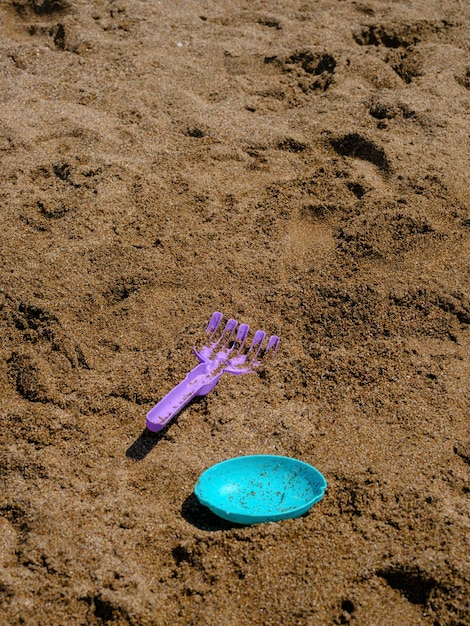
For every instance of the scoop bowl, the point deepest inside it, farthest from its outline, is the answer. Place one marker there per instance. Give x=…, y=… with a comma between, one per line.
x=260, y=488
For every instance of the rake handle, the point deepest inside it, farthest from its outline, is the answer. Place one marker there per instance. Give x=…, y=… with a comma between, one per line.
x=198, y=382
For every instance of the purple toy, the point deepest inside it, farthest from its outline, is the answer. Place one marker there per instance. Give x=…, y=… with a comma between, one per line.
x=226, y=353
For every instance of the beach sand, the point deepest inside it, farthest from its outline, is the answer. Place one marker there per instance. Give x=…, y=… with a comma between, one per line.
x=304, y=168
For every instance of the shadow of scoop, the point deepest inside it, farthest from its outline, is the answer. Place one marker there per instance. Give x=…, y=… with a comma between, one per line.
x=144, y=444
x=201, y=517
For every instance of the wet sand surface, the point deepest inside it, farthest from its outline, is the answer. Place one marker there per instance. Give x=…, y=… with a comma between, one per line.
x=304, y=168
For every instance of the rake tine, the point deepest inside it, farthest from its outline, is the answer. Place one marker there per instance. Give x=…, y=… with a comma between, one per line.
x=272, y=346
x=226, y=334
x=214, y=323
x=256, y=344
x=240, y=339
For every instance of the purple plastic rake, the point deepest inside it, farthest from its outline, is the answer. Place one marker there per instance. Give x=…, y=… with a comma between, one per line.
x=226, y=352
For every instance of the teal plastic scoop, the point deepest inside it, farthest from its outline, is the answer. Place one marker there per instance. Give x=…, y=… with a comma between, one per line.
x=260, y=488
